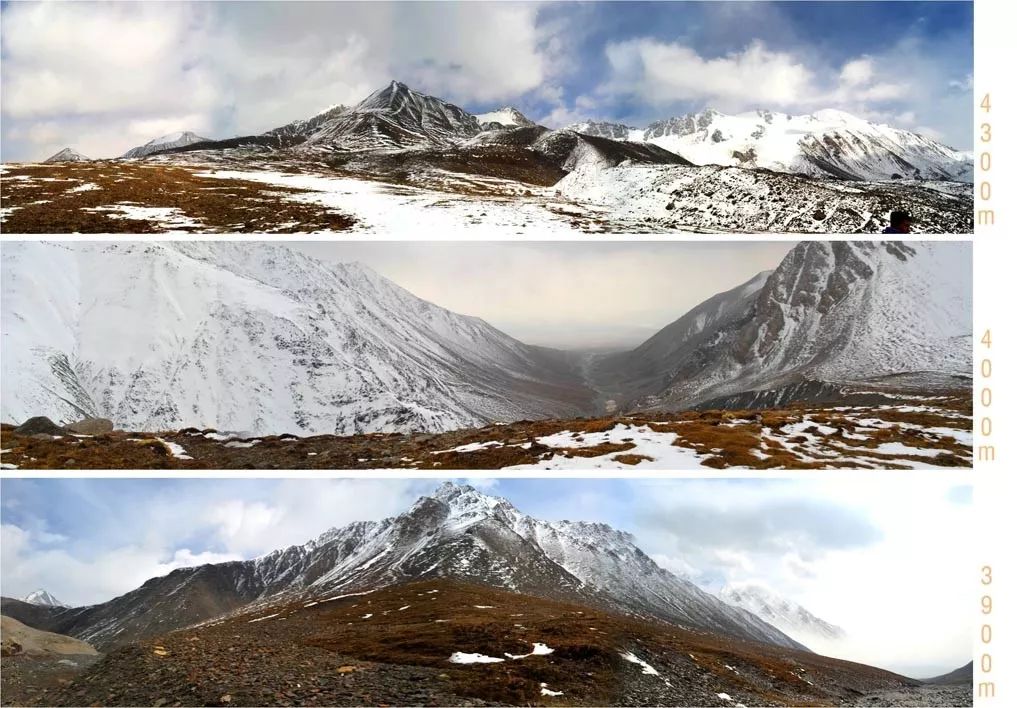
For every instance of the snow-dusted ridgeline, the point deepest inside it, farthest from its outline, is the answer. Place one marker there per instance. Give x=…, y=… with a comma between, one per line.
x=260, y=339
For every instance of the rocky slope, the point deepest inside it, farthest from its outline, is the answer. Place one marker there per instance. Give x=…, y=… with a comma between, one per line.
x=445, y=642
x=455, y=533
x=137, y=332
x=831, y=311
x=394, y=117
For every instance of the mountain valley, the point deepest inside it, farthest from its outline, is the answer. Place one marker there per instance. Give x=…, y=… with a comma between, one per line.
x=845, y=353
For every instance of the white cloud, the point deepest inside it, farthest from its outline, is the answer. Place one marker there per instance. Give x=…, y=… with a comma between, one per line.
x=661, y=73
x=76, y=580
x=217, y=525
x=857, y=72
x=113, y=75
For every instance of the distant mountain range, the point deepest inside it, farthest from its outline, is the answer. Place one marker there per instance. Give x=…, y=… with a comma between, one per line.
x=757, y=172
x=455, y=533
x=828, y=143
x=262, y=339
x=166, y=142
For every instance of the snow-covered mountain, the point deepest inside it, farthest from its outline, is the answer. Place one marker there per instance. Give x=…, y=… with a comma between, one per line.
x=43, y=598
x=166, y=142
x=507, y=117
x=67, y=155
x=260, y=339
x=790, y=617
x=456, y=532
x=831, y=311
x=828, y=143
x=606, y=129
x=394, y=117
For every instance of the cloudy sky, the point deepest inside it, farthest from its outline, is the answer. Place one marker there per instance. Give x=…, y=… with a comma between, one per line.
x=886, y=559
x=571, y=295
x=104, y=77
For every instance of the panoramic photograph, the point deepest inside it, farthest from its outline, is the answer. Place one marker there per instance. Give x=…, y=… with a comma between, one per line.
x=710, y=592
x=555, y=118
x=486, y=355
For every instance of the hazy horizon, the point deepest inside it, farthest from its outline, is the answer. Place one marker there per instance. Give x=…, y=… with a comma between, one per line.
x=566, y=295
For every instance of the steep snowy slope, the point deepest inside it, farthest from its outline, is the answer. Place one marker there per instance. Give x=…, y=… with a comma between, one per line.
x=259, y=339
x=166, y=142
x=791, y=618
x=828, y=143
x=832, y=311
x=456, y=532
x=67, y=155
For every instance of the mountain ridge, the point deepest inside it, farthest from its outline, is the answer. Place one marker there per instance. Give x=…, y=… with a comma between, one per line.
x=826, y=143
x=456, y=532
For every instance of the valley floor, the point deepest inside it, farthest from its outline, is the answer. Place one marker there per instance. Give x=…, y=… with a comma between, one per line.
x=439, y=642
x=309, y=196
x=916, y=432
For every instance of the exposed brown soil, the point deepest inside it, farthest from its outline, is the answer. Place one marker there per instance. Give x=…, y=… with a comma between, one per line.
x=394, y=646
x=829, y=438
x=42, y=200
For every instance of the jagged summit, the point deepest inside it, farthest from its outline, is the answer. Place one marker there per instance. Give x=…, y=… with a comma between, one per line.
x=67, y=155
x=393, y=117
x=456, y=533
x=43, y=598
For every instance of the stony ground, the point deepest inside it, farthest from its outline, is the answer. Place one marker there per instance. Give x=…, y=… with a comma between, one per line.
x=396, y=646
x=918, y=432
x=35, y=680
x=930, y=696
x=141, y=198
x=481, y=188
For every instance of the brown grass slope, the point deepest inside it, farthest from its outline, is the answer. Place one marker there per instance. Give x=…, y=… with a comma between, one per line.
x=393, y=647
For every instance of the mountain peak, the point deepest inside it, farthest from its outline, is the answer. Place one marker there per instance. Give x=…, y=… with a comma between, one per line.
x=68, y=154
x=42, y=598
x=467, y=505
x=506, y=117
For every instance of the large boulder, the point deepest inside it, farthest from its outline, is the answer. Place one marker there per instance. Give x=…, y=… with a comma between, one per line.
x=39, y=424
x=91, y=426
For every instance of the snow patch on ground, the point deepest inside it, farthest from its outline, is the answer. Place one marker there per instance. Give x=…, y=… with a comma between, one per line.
x=465, y=658
x=647, y=669
x=659, y=447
